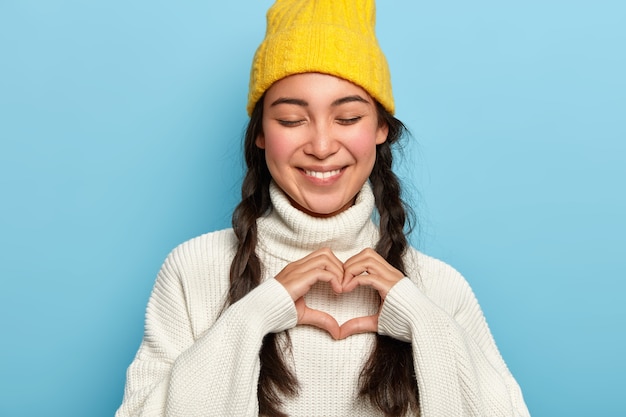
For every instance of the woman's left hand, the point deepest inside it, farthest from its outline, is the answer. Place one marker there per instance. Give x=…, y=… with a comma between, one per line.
x=367, y=268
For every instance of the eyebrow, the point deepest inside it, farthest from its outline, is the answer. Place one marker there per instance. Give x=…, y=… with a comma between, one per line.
x=303, y=103
x=349, y=99
x=286, y=100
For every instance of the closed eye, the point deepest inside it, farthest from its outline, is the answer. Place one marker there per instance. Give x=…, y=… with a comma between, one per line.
x=289, y=123
x=349, y=121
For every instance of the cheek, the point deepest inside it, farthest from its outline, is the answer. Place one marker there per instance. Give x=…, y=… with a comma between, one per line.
x=277, y=148
x=363, y=144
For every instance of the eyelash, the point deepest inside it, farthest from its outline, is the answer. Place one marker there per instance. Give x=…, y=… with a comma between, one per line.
x=290, y=123
x=349, y=121
x=343, y=122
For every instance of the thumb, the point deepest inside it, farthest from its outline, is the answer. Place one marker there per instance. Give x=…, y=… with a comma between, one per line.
x=320, y=320
x=365, y=324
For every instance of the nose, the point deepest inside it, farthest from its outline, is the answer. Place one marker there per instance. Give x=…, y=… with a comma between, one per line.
x=321, y=143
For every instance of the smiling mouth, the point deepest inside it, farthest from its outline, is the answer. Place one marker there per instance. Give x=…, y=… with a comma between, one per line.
x=322, y=174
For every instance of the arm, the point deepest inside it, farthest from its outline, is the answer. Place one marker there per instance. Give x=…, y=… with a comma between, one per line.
x=215, y=374
x=457, y=364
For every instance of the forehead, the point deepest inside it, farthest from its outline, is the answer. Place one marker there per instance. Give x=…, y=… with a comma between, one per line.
x=315, y=87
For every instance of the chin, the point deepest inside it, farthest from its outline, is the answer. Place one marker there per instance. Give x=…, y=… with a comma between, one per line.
x=325, y=210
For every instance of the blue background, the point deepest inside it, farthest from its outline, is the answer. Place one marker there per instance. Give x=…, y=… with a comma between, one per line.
x=120, y=127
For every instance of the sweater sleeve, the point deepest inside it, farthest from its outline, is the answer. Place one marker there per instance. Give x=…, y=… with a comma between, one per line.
x=458, y=367
x=215, y=374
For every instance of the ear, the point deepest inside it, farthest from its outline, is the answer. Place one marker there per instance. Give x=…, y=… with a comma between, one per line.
x=381, y=133
x=260, y=141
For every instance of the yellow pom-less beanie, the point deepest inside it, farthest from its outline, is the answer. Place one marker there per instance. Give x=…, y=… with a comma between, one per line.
x=335, y=37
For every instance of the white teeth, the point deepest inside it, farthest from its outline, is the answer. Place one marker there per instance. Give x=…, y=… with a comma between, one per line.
x=322, y=175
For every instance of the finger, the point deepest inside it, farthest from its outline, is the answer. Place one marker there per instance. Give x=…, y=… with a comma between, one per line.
x=298, y=284
x=331, y=257
x=324, y=262
x=321, y=320
x=324, y=256
x=367, y=254
x=298, y=277
x=366, y=324
x=383, y=286
x=323, y=259
x=368, y=262
x=381, y=280
x=371, y=262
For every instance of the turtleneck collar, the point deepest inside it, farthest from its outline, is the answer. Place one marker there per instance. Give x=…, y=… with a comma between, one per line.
x=292, y=234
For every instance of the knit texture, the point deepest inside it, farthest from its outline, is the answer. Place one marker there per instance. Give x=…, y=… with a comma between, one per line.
x=335, y=37
x=195, y=362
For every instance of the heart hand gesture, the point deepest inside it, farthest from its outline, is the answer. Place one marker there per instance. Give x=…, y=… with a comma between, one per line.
x=365, y=268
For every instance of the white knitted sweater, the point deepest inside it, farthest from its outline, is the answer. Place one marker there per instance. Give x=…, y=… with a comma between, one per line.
x=195, y=362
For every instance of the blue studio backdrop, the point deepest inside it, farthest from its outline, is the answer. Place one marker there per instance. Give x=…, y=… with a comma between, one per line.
x=120, y=130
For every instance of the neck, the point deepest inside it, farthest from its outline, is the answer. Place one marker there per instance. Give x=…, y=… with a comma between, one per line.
x=287, y=229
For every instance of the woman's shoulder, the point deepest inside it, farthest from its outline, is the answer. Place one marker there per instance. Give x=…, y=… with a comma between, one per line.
x=206, y=249
x=441, y=282
x=426, y=268
x=217, y=240
x=198, y=269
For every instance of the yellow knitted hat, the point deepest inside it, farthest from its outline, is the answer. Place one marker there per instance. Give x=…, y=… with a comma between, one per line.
x=335, y=37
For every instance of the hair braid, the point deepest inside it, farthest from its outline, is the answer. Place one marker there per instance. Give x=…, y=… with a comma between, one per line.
x=390, y=385
x=245, y=269
x=275, y=377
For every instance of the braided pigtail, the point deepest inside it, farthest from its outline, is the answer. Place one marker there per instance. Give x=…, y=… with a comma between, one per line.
x=390, y=384
x=275, y=378
x=245, y=269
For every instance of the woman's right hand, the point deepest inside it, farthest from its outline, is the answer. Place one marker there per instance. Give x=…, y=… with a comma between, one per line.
x=298, y=277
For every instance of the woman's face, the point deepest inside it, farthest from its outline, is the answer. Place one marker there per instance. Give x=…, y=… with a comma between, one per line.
x=319, y=135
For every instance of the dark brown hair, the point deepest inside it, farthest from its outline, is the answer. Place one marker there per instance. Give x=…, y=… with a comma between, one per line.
x=387, y=378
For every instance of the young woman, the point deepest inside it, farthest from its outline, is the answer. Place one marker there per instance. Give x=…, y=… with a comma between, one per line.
x=307, y=307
